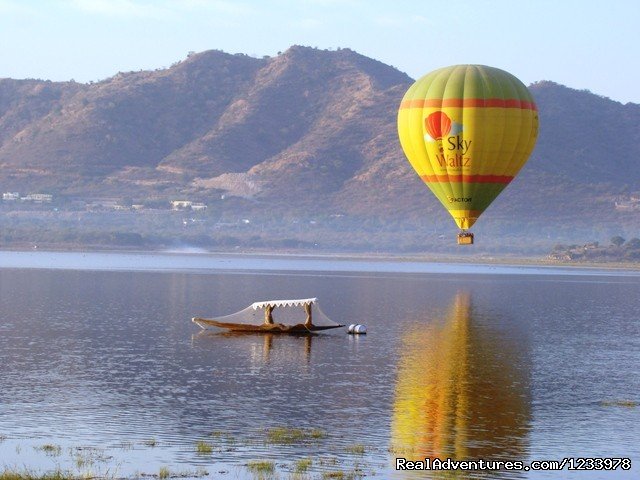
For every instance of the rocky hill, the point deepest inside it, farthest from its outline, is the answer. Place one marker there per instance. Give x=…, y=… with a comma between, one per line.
x=306, y=134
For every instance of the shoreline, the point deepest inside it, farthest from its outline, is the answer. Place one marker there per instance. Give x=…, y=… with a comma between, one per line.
x=383, y=258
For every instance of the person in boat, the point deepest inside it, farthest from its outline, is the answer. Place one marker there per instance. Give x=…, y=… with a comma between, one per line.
x=268, y=317
x=307, y=308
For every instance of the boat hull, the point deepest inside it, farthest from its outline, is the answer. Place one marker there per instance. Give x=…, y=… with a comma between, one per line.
x=207, y=323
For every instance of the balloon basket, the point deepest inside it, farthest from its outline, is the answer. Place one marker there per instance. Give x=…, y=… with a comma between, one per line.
x=465, y=238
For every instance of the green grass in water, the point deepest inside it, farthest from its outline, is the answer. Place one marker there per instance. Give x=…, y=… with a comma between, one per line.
x=164, y=473
x=261, y=466
x=302, y=465
x=50, y=449
x=340, y=475
x=27, y=475
x=204, y=448
x=356, y=449
x=288, y=436
x=83, y=461
x=619, y=403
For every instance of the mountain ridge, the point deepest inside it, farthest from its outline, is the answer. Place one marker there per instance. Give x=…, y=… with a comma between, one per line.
x=307, y=132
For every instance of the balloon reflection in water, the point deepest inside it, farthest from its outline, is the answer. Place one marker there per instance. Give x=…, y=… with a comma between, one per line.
x=462, y=391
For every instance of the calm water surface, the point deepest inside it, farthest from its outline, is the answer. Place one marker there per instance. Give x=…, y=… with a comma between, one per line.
x=102, y=370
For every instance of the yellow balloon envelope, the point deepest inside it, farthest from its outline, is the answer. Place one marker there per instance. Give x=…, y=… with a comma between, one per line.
x=467, y=130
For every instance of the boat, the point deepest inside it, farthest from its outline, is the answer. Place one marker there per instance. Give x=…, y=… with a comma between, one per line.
x=273, y=316
x=207, y=323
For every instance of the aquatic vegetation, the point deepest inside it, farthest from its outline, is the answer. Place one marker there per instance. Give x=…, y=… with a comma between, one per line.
x=204, y=448
x=340, y=475
x=356, y=449
x=302, y=465
x=221, y=436
x=327, y=461
x=402, y=450
x=83, y=461
x=150, y=442
x=337, y=474
x=316, y=433
x=261, y=466
x=288, y=436
x=298, y=476
x=29, y=475
x=165, y=473
x=619, y=403
x=50, y=449
x=85, y=457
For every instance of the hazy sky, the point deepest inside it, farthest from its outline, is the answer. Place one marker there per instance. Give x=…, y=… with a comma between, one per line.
x=584, y=44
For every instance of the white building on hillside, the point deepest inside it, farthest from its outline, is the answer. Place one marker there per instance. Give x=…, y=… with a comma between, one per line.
x=181, y=204
x=10, y=197
x=38, y=198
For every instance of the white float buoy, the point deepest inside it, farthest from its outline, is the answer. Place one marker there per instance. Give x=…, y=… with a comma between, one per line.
x=357, y=329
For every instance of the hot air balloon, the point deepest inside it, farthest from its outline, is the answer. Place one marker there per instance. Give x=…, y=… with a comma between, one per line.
x=467, y=130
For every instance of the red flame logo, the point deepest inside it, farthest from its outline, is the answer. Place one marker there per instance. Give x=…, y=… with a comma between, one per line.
x=438, y=125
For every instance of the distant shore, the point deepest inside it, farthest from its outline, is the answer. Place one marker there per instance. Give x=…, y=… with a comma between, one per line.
x=472, y=259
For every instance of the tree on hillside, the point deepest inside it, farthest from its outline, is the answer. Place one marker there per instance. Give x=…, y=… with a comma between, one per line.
x=617, y=240
x=633, y=243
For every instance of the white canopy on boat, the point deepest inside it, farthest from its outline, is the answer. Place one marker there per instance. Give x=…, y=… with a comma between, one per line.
x=284, y=303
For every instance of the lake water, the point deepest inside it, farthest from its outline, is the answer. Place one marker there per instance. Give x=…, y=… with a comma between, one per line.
x=102, y=371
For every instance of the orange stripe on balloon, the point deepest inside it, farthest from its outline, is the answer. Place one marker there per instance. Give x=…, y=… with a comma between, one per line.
x=466, y=178
x=468, y=103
